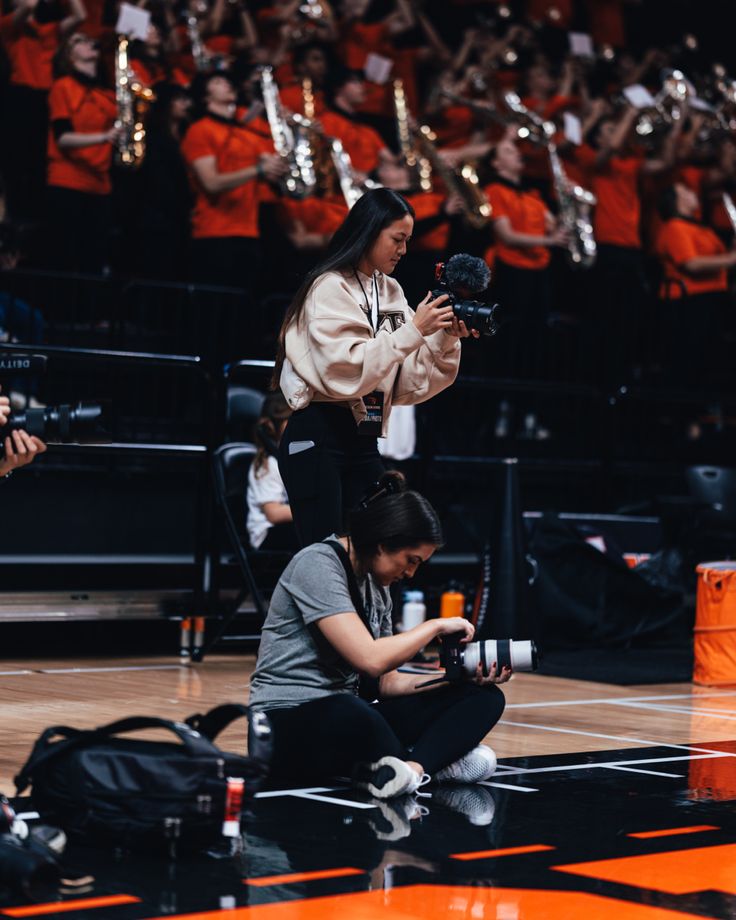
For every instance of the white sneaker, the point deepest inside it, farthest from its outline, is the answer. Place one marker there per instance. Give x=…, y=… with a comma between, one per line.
x=477, y=765
x=473, y=802
x=388, y=777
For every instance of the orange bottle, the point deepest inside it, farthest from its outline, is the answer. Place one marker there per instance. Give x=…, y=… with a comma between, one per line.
x=452, y=602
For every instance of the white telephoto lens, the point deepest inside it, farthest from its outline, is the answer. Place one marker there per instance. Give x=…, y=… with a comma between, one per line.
x=510, y=653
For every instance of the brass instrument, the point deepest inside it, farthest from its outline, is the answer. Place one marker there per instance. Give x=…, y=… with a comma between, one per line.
x=419, y=166
x=730, y=209
x=291, y=140
x=488, y=113
x=531, y=126
x=132, y=100
x=462, y=182
x=343, y=168
x=574, y=201
x=667, y=106
x=203, y=57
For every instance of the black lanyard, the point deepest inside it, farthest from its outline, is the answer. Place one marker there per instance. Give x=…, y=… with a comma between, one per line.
x=373, y=309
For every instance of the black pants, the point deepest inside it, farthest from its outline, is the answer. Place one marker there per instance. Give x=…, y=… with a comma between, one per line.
x=25, y=118
x=79, y=227
x=524, y=296
x=329, y=736
x=326, y=480
x=226, y=261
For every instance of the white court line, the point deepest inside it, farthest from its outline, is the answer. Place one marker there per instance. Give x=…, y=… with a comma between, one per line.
x=278, y=792
x=133, y=667
x=617, y=700
x=28, y=816
x=615, y=763
x=331, y=801
x=681, y=710
x=648, y=772
x=645, y=742
x=14, y=673
x=507, y=786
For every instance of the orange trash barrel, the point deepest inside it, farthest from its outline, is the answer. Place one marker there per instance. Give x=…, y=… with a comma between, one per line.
x=715, y=624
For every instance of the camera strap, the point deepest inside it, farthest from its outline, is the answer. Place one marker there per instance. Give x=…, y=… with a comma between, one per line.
x=368, y=686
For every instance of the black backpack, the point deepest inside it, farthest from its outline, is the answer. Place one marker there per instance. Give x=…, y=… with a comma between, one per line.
x=131, y=791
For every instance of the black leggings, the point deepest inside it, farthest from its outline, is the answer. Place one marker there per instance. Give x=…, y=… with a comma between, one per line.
x=329, y=736
x=331, y=472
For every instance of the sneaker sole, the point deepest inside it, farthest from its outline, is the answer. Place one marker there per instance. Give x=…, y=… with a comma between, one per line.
x=382, y=779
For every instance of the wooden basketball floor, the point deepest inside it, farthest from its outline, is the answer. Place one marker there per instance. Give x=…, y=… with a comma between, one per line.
x=608, y=802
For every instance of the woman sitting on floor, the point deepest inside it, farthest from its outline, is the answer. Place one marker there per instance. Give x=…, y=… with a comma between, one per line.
x=329, y=629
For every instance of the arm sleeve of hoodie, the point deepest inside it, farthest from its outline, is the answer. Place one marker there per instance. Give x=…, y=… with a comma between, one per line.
x=346, y=361
x=429, y=370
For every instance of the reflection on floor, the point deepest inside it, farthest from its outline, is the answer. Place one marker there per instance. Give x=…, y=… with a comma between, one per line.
x=635, y=833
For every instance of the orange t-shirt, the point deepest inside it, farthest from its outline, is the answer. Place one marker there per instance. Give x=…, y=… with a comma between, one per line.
x=361, y=142
x=356, y=43
x=319, y=215
x=429, y=204
x=616, y=186
x=88, y=108
x=231, y=213
x=453, y=126
x=30, y=47
x=526, y=213
x=679, y=241
x=606, y=22
x=292, y=98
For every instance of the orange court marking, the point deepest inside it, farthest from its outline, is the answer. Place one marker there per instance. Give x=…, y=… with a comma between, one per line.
x=265, y=880
x=671, y=831
x=509, y=851
x=681, y=872
x=438, y=902
x=65, y=907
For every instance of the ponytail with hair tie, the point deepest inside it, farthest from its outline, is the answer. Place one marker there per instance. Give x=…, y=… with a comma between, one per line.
x=391, y=483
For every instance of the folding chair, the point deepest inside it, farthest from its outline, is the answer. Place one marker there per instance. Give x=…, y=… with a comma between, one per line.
x=230, y=466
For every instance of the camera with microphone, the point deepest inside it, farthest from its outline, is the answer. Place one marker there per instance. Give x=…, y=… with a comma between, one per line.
x=460, y=278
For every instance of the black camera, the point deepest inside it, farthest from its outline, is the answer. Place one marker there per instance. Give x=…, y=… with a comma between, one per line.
x=461, y=660
x=461, y=277
x=81, y=423
x=28, y=856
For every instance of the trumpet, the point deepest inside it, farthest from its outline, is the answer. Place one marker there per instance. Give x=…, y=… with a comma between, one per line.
x=531, y=126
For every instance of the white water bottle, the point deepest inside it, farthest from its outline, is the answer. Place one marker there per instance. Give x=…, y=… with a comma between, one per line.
x=414, y=610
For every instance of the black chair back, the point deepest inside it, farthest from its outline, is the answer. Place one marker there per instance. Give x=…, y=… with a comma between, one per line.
x=243, y=410
x=715, y=486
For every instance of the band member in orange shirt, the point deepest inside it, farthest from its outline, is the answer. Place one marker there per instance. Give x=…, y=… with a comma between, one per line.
x=82, y=132
x=226, y=162
x=364, y=145
x=693, y=294
x=524, y=230
x=31, y=38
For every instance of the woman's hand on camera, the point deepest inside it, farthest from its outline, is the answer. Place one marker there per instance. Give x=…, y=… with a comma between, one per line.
x=433, y=315
x=460, y=330
x=494, y=677
x=20, y=450
x=4, y=409
x=447, y=626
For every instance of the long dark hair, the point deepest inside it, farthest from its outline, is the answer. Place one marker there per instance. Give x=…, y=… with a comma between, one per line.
x=394, y=518
x=266, y=433
x=371, y=214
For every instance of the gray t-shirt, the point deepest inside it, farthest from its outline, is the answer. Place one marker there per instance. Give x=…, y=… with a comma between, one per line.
x=295, y=661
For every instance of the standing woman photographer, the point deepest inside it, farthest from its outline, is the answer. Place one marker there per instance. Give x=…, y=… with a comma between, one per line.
x=329, y=627
x=350, y=347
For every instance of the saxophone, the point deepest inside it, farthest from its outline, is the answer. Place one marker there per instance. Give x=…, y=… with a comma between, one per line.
x=419, y=166
x=462, y=181
x=575, y=204
x=132, y=100
x=574, y=201
x=203, y=57
x=343, y=167
x=291, y=141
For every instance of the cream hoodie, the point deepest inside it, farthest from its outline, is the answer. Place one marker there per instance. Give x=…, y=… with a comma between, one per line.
x=332, y=354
